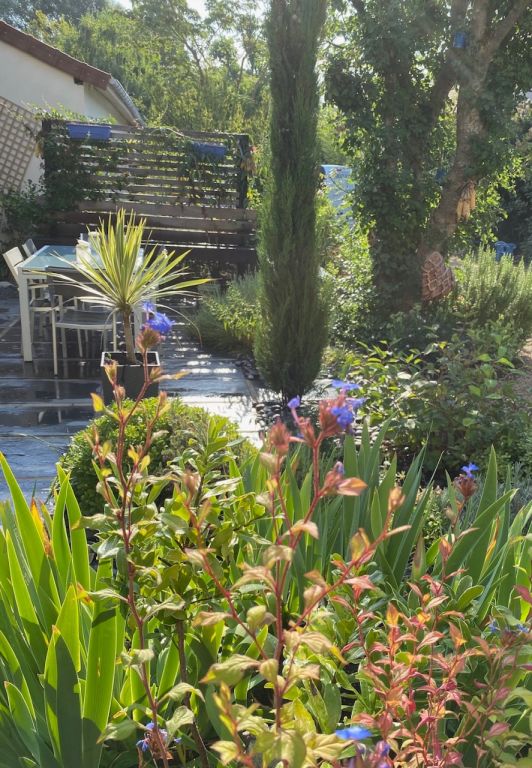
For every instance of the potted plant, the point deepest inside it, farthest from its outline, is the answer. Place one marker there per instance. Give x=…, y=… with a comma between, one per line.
x=116, y=274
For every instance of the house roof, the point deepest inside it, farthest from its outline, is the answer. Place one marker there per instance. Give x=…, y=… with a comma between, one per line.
x=71, y=66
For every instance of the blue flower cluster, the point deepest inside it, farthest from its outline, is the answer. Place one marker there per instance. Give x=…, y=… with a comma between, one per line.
x=157, y=321
x=145, y=743
x=469, y=470
x=517, y=628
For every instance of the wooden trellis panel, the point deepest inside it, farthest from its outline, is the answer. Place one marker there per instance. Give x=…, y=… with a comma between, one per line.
x=17, y=144
x=191, y=201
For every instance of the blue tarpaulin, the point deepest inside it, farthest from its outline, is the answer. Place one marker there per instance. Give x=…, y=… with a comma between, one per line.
x=338, y=180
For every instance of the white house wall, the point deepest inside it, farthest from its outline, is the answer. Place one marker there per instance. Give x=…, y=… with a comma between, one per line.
x=32, y=83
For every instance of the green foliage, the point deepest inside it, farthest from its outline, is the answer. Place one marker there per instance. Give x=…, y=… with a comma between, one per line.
x=190, y=71
x=248, y=584
x=22, y=14
x=349, y=278
x=456, y=397
x=182, y=427
x=293, y=315
x=414, y=105
x=490, y=291
x=227, y=320
x=70, y=175
x=518, y=202
x=57, y=646
x=23, y=213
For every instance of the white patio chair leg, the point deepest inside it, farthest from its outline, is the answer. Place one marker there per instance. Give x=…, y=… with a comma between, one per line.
x=54, y=343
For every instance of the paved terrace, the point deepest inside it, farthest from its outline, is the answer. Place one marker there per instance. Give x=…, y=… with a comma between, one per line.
x=40, y=413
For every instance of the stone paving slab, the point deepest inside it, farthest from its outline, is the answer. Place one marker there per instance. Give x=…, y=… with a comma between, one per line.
x=39, y=413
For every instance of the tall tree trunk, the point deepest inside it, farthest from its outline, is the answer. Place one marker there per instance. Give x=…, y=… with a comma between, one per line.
x=472, y=72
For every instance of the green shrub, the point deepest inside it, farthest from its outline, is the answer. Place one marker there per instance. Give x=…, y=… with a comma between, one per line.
x=227, y=319
x=455, y=397
x=185, y=427
x=489, y=290
x=349, y=278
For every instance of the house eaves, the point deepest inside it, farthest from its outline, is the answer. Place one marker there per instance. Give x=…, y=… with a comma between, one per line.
x=79, y=70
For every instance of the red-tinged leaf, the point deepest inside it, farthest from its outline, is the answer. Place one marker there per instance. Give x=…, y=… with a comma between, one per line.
x=524, y=593
x=431, y=638
x=340, y=601
x=392, y=615
x=361, y=582
x=308, y=527
x=351, y=486
x=174, y=376
x=456, y=635
x=497, y=729
x=395, y=531
x=415, y=589
x=437, y=601
x=316, y=578
x=502, y=694
x=471, y=708
x=484, y=646
x=445, y=548
x=466, y=533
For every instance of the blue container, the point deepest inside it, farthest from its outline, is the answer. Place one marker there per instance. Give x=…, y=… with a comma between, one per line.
x=80, y=131
x=440, y=175
x=460, y=40
x=206, y=150
x=504, y=249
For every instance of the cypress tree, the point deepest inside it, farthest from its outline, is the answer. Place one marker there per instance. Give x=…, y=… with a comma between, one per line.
x=293, y=328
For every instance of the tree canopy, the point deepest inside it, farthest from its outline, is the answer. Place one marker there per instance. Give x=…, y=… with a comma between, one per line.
x=182, y=69
x=20, y=13
x=428, y=90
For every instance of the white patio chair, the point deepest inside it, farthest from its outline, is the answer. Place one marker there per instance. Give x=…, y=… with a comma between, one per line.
x=29, y=248
x=39, y=299
x=71, y=313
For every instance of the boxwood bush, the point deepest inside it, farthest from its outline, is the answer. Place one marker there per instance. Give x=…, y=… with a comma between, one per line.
x=184, y=426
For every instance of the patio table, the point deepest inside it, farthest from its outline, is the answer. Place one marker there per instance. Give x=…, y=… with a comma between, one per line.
x=48, y=257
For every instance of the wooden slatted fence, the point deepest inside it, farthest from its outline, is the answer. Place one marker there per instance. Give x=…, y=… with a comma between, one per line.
x=190, y=187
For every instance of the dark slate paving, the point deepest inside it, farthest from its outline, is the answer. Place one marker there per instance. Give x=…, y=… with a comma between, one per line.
x=39, y=414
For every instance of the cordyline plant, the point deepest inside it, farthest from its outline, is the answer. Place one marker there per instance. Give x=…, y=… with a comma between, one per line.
x=122, y=278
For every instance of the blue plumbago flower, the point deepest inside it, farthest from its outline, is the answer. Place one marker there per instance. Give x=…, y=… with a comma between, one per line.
x=344, y=416
x=493, y=626
x=356, y=402
x=160, y=323
x=144, y=743
x=295, y=402
x=353, y=733
x=345, y=385
x=148, y=307
x=469, y=469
